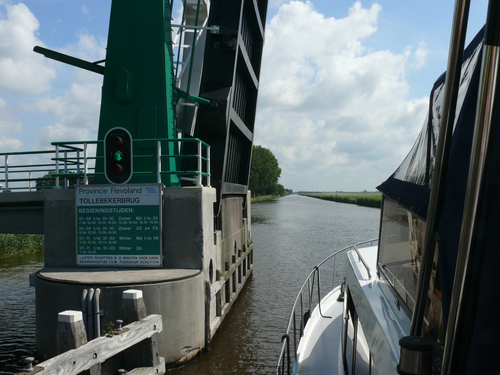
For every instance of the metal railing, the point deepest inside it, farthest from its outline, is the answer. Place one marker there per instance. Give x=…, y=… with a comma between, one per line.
x=387, y=272
x=72, y=163
x=360, y=257
x=23, y=175
x=300, y=313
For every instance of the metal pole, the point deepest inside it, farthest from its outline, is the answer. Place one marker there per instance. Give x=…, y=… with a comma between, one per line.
x=78, y=161
x=334, y=269
x=97, y=313
x=158, y=158
x=57, y=167
x=199, y=165
x=85, y=177
x=213, y=29
x=66, y=182
x=29, y=178
x=295, y=332
x=475, y=185
x=6, y=174
x=452, y=84
x=209, y=182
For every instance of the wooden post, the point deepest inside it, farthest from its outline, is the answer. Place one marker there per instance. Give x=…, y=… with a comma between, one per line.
x=70, y=331
x=133, y=307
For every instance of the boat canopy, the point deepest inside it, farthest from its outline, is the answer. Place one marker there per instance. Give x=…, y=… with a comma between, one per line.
x=410, y=184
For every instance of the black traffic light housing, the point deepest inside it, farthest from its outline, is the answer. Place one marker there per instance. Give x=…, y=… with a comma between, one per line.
x=118, y=156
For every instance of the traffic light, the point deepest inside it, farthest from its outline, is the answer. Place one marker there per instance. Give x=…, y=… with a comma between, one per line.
x=118, y=156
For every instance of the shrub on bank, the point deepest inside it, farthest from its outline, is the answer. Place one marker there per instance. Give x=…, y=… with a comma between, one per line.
x=20, y=244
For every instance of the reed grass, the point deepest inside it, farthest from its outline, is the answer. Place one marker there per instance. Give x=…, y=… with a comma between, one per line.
x=263, y=198
x=12, y=245
x=361, y=199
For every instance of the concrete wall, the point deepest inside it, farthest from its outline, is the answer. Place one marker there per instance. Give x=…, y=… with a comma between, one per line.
x=60, y=228
x=180, y=302
x=192, y=308
x=21, y=212
x=232, y=229
x=188, y=226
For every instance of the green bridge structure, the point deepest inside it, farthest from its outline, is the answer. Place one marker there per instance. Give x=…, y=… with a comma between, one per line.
x=159, y=201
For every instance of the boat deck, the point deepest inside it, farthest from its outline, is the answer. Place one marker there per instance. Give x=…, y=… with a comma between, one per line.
x=318, y=347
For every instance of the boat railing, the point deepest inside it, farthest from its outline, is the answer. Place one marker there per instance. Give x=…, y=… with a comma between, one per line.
x=360, y=257
x=72, y=163
x=388, y=274
x=308, y=297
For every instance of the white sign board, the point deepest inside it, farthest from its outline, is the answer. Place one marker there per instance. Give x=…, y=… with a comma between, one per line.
x=119, y=225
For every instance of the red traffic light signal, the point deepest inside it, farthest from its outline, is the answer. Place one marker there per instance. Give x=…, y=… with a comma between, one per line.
x=118, y=156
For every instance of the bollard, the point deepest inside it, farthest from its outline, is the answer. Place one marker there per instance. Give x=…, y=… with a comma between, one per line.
x=29, y=364
x=133, y=307
x=97, y=313
x=90, y=314
x=70, y=331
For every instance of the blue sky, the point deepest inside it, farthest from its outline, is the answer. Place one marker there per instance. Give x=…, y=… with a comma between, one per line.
x=344, y=84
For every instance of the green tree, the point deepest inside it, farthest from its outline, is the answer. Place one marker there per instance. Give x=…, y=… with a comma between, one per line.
x=264, y=173
x=48, y=181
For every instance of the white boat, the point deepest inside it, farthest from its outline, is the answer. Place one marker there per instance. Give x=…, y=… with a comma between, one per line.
x=424, y=298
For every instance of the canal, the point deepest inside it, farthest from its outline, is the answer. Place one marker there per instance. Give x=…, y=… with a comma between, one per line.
x=290, y=236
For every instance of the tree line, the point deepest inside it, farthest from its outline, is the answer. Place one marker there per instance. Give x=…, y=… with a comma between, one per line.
x=265, y=173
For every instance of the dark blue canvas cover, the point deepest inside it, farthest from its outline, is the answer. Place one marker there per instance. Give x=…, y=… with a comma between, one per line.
x=409, y=185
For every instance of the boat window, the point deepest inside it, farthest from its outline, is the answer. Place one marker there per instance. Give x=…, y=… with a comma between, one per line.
x=433, y=317
x=350, y=343
x=363, y=355
x=356, y=355
x=401, y=242
x=400, y=248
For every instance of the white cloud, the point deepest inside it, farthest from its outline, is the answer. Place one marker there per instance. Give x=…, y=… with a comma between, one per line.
x=85, y=10
x=10, y=126
x=334, y=112
x=88, y=47
x=420, y=55
x=21, y=70
x=77, y=112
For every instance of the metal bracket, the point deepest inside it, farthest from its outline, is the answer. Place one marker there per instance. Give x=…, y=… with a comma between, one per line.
x=213, y=29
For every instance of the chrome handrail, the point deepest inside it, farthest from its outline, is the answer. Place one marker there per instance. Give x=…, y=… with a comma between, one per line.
x=285, y=358
x=360, y=257
x=385, y=269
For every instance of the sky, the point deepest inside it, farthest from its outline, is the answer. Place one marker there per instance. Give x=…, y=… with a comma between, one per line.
x=343, y=89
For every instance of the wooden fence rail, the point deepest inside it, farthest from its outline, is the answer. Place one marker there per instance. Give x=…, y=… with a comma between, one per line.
x=91, y=355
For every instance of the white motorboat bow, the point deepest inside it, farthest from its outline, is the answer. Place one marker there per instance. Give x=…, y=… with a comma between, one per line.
x=424, y=298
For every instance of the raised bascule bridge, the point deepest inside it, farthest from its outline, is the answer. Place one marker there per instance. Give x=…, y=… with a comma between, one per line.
x=159, y=202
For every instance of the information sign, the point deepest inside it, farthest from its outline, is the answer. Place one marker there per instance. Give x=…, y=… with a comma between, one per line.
x=119, y=225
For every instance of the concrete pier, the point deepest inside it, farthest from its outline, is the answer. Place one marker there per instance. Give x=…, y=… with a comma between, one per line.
x=203, y=270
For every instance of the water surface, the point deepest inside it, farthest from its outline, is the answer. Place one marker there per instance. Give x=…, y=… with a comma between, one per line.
x=290, y=235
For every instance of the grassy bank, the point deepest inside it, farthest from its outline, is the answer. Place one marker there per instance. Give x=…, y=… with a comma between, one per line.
x=264, y=198
x=12, y=245
x=361, y=199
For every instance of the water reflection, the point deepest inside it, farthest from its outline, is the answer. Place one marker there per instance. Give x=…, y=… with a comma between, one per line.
x=290, y=236
x=17, y=311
